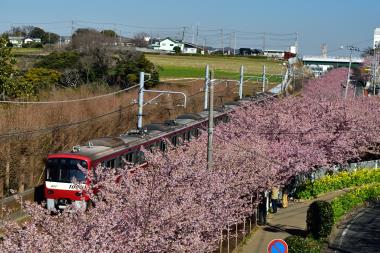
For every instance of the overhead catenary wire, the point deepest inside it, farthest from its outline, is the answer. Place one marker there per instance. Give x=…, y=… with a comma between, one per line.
x=67, y=125
x=177, y=32
x=67, y=101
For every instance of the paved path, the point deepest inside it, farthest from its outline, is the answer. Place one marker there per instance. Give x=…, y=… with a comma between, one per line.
x=361, y=234
x=287, y=221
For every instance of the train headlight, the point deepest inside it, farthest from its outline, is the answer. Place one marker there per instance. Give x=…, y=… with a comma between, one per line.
x=78, y=194
x=50, y=192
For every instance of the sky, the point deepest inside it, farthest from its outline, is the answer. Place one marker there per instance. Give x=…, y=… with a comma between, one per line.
x=272, y=24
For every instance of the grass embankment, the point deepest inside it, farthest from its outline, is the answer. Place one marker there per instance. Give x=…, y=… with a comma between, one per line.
x=176, y=66
x=338, y=181
x=354, y=198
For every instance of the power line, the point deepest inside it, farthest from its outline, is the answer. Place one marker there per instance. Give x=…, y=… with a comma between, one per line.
x=67, y=101
x=53, y=128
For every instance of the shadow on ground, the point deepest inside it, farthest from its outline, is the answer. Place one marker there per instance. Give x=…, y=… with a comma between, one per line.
x=286, y=229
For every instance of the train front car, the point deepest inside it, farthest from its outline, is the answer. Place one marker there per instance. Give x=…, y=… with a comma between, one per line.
x=62, y=170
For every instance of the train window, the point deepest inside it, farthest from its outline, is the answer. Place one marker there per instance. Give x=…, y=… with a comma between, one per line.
x=152, y=147
x=174, y=140
x=117, y=162
x=140, y=157
x=135, y=157
x=180, y=139
x=110, y=163
x=65, y=170
x=163, y=146
x=187, y=136
x=129, y=157
x=195, y=132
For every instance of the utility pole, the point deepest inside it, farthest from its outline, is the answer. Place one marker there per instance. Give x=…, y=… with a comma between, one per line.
x=72, y=30
x=376, y=55
x=241, y=82
x=141, y=99
x=193, y=37
x=207, y=81
x=141, y=102
x=183, y=33
x=352, y=49
x=196, y=37
x=264, y=41
x=204, y=45
x=229, y=50
x=115, y=35
x=264, y=77
x=221, y=32
x=348, y=76
x=210, y=126
x=235, y=43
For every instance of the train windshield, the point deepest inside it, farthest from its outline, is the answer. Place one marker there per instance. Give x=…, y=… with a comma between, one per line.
x=65, y=170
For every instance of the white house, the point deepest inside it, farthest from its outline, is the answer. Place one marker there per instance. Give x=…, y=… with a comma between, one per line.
x=168, y=45
x=29, y=40
x=16, y=41
x=376, y=38
x=274, y=53
x=190, y=48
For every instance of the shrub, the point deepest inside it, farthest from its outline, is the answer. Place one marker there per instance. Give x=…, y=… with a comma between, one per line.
x=132, y=78
x=60, y=60
x=320, y=219
x=177, y=50
x=32, y=44
x=32, y=82
x=298, y=244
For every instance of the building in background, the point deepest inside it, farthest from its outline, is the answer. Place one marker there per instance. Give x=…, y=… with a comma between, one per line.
x=278, y=54
x=376, y=38
x=167, y=45
x=16, y=41
x=30, y=40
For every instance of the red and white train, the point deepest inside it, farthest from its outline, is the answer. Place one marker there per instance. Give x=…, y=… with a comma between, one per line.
x=62, y=168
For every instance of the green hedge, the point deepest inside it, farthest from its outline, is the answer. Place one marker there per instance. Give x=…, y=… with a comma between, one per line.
x=343, y=204
x=319, y=219
x=298, y=244
x=337, y=181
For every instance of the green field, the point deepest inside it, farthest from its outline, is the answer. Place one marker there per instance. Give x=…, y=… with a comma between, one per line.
x=177, y=66
x=26, y=51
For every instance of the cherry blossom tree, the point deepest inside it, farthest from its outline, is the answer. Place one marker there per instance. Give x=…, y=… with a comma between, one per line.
x=175, y=204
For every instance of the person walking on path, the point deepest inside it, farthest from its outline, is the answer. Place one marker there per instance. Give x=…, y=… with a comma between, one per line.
x=262, y=210
x=285, y=197
x=274, y=197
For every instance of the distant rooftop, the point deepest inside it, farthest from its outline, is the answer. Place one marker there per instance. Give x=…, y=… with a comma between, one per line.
x=332, y=59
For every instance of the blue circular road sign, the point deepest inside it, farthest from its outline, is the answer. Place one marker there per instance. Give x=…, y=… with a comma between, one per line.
x=277, y=246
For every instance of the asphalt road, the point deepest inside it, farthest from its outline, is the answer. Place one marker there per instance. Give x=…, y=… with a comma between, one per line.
x=361, y=234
